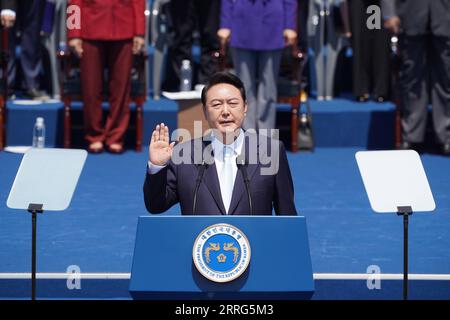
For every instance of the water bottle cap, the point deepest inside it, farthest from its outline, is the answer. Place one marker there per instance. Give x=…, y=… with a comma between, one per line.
x=186, y=63
x=40, y=120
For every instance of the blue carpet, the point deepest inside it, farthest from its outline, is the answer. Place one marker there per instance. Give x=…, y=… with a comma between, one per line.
x=347, y=236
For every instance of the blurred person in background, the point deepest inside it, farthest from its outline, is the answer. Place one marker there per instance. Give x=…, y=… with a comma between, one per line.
x=111, y=32
x=371, y=54
x=28, y=27
x=423, y=27
x=257, y=31
x=187, y=16
x=328, y=25
x=8, y=18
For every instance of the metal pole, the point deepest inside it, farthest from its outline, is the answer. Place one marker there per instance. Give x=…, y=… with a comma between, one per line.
x=405, y=256
x=33, y=256
x=405, y=211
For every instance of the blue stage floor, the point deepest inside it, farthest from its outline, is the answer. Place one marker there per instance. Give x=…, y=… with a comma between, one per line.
x=97, y=232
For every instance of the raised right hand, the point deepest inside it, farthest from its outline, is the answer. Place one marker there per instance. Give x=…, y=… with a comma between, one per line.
x=160, y=149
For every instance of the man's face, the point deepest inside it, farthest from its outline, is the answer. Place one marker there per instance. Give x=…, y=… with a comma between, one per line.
x=225, y=109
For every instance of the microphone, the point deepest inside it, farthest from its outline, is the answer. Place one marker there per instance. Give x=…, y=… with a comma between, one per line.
x=201, y=171
x=240, y=163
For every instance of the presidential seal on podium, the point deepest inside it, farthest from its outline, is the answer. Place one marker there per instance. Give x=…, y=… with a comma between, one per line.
x=221, y=253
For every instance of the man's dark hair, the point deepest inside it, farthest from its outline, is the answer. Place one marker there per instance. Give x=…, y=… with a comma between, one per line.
x=223, y=77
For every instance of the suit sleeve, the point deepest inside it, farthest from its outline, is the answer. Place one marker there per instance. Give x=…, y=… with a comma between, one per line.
x=284, y=187
x=160, y=189
x=388, y=9
x=226, y=12
x=139, y=17
x=290, y=14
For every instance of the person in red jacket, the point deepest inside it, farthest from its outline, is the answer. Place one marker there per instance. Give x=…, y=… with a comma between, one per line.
x=110, y=31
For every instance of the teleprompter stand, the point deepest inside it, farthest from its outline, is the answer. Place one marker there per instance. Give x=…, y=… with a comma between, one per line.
x=34, y=209
x=46, y=179
x=395, y=182
x=405, y=211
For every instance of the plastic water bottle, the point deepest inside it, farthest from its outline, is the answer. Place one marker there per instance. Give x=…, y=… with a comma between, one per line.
x=39, y=133
x=186, y=76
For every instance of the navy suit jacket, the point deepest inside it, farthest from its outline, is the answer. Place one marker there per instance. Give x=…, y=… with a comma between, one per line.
x=176, y=182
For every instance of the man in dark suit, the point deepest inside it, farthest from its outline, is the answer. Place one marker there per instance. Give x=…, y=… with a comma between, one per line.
x=371, y=54
x=424, y=29
x=28, y=25
x=227, y=172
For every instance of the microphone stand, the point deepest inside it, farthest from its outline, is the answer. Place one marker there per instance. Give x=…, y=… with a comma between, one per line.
x=201, y=171
x=241, y=164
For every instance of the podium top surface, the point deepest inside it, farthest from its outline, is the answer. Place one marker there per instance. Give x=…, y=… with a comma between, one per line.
x=393, y=179
x=47, y=177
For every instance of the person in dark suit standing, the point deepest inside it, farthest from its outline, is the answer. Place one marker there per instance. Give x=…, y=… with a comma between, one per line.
x=29, y=21
x=371, y=55
x=186, y=17
x=111, y=31
x=424, y=29
x=227, y=172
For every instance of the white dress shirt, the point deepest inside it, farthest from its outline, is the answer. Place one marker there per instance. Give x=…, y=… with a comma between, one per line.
x=236, y=149
x=218, y=148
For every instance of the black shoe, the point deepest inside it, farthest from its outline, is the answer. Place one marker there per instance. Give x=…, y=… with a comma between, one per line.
x=363, y=98
x=445, y=149
x=37, y=95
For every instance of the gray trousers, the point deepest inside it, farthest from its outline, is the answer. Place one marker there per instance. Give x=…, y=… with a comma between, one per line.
x=326, y=48
x=325, y=59
x=258, y=71
x=425, y=74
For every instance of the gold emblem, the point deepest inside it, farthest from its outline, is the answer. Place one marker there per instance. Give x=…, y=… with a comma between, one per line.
x=221, y=257
x=231, y=247
x=212, y=247
x=232, y=251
